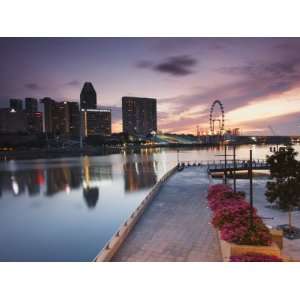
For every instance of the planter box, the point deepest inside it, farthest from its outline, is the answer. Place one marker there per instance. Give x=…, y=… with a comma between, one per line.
x=229, y=249
x=277, y=237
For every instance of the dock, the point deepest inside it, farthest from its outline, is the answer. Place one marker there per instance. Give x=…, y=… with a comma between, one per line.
x=176, y=224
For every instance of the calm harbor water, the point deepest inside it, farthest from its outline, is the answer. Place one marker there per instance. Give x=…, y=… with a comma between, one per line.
x=66, y=209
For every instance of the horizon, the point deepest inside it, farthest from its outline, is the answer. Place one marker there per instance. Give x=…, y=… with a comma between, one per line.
x=256, y=79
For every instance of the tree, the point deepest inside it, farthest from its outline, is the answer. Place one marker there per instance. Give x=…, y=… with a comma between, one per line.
x=284, y=189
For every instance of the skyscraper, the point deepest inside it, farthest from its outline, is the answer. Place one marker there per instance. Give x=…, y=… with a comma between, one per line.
x=50, y=117
x=34, y=122
x=139, y=115
x=12, y=121
x=61, y=118
x=31, y=105
x=74, y=119
x=88, y=97
x=105, y=122
x=16, y=104
x=34, y=118
x=96, y=122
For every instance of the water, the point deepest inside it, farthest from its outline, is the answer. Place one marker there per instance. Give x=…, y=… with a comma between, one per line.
x=66, y=209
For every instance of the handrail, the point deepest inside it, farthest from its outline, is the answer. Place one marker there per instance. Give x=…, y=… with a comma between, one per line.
x=218, y=162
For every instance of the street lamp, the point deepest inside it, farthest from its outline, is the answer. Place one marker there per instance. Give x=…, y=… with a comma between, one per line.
x=251, y=189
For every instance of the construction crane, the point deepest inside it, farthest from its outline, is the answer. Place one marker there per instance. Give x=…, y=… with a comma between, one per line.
x=274, y=134
x=272, y=130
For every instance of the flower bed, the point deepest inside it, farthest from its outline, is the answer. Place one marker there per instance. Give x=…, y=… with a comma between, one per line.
x=231, y=217
x=253, y=257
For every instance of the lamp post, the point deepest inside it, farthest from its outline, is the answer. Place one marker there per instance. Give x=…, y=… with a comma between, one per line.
x=225, y=171
x=251, y=189
x=225, y=164
x=234, y=168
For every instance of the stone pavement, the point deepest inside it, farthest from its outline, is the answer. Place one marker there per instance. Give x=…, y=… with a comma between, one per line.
x=290, y=247
x=175, y=227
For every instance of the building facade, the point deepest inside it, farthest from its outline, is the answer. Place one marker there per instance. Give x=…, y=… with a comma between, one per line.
x=74, y=119
x=96, y=122
x=50, y=116
x=61, y=118
x=34, y=122
x=12, y=121
x=16, y=104
x=88, y=97
x=139, y=115
x=31, y=105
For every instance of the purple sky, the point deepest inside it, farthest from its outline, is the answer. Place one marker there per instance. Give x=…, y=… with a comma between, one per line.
x=257, y=79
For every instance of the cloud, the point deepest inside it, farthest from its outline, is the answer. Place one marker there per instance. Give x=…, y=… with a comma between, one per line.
x=73, y=83
x=181, y=65
x=256, y=92
x=32, y=86
x=248, y=83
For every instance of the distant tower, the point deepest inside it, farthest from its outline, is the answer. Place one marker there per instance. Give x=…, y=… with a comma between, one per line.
x=88, y=96
x=16, y=104
x=31, y=105
x=139, y=115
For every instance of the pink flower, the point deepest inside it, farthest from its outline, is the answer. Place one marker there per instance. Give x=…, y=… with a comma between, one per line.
x=253, y=257
x=231, y=213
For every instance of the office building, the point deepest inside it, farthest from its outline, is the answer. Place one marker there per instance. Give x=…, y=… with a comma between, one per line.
x=12, y=121
x=88, y=97
x=34, y=122
x=105, y=122
x=34, y=117
x=16, y=104
x=61, y=118
x=50, y=115
x=96, y=122
x=74, y=119
x=31, y=105
x=139, y=115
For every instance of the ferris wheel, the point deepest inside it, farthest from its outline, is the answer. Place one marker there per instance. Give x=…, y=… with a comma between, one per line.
x=214, y=117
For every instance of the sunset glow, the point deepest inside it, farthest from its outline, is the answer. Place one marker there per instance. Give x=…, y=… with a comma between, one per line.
x=257, y=79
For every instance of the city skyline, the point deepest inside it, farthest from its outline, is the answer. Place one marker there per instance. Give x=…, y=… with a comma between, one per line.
x=257, y=79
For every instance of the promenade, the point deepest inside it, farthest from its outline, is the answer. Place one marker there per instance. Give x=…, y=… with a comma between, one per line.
x=175, y=227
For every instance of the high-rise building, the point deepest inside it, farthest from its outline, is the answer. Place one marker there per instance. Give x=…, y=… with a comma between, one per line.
x=88, y=97
x=12, y=121
x=139, y=115
x=31, y=105
x=34, y=122
x=105, y=122
x=50, y=116
x=16, y=104
x=96, y=122
x=34, y=117
x=74, y=119
x=61, y=118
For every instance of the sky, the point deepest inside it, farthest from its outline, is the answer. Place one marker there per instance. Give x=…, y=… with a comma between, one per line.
x=256, y=79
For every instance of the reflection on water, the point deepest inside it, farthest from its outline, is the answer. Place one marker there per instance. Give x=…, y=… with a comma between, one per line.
x=137, y=175
x=66, y=209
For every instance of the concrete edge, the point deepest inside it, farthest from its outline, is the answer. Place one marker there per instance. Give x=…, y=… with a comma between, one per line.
x=230, y=249
x=114, y=244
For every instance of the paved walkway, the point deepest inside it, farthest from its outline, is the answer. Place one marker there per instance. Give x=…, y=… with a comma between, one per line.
x=175, y=227
x=290, y=247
